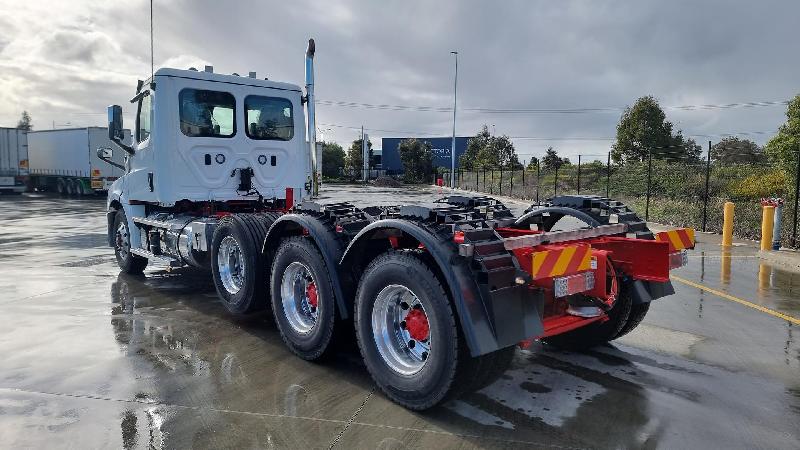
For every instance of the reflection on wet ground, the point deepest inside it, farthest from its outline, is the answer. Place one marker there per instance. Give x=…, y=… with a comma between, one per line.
x=92, y=358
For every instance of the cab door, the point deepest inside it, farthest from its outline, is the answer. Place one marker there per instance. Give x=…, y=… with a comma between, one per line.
x=140, y=182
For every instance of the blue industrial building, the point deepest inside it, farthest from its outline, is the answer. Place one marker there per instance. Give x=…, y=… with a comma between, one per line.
x=390, y=158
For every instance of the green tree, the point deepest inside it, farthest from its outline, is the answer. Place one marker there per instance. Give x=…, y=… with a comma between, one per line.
x=355, y=158
x=733, y=150
x=551, y=160
x=417, y=159
x=25, y=122
x=485, y=150
x=533, y=163
x=333, y=158
x=784, y=146
x=644, y=128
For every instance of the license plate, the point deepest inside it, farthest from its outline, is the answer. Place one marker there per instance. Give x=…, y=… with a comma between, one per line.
x=97, y=184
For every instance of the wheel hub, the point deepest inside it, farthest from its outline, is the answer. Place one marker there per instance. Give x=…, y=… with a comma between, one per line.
x=300, y=297
x=401, y=329
x=417, y=324
x=230, y=263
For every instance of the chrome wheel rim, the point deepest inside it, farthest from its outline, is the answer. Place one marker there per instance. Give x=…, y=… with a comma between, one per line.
x=123, y=241
x=230, y=263
x=401, y=330
x=299, y=297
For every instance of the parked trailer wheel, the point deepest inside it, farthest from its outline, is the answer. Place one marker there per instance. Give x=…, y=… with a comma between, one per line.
x=237, y=264
x=127, y=261
x=303, y=302
x=409, y=338
x=61, y=187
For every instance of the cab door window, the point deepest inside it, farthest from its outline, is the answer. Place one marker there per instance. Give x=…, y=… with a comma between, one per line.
x=143, y=118
x=207, y=113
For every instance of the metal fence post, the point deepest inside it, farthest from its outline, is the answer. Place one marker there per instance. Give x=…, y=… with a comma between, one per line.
x=538, y=179
x=796, y=199
x=555, y=181
x=511, y=189
x=484, y=179
x=705, y=195
x=608, y=176
x=501, y=180
x=491, y=180
x=649, y=179
x=579, y=174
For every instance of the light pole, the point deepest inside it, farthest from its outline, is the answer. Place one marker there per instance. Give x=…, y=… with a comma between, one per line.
x=453, y=143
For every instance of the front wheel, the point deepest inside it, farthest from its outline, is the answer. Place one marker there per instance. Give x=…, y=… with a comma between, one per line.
x=127, y=261
x=406, y=330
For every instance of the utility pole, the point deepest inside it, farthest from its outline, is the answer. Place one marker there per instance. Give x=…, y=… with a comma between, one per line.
x=453, y=143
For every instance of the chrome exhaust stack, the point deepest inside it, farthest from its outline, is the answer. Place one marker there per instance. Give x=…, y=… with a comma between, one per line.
x=311, y=132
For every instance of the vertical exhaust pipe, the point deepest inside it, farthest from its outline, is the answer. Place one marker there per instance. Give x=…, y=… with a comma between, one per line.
x=311, y=133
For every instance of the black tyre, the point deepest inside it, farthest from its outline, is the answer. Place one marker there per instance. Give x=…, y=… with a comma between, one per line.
x=237, y=264
x=303, y=301
x=638, y=311
x=408, y=335
x=127, y=261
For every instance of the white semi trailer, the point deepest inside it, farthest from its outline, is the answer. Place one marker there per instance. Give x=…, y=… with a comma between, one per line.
x=66, y=160
x=220, y=175
x=13, y=160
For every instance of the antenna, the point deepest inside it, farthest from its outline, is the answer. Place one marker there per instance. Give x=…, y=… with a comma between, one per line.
x=151, y=41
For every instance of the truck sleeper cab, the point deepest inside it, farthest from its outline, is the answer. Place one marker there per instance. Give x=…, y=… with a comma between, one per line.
x=220, y=175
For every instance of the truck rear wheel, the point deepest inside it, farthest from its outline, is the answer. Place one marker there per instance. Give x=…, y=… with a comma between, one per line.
x=127, y=261
x=303, y=302
x=409, y=338
x=237, y=263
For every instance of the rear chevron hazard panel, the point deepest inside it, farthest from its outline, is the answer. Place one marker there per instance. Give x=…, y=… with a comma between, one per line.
x=555, y=262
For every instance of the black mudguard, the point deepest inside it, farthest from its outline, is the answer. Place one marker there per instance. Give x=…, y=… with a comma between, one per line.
x=325, y=240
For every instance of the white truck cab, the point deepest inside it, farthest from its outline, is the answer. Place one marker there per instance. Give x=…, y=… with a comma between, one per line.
x=202, y=136
x=206, y=145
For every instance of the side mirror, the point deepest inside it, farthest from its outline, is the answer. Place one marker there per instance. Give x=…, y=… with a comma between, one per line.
x=115, y=132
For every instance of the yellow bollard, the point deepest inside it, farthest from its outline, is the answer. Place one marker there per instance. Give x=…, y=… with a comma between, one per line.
x=727, y=225
x=767, y=222
x=725, y=266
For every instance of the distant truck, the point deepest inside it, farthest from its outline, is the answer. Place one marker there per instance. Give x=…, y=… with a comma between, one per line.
x=13, y=160
x=66, y=161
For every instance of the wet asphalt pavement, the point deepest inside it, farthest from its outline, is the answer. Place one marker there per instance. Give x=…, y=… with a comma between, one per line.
x=90, y=358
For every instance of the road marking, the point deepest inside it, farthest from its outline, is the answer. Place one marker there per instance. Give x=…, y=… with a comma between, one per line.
x=726, y=296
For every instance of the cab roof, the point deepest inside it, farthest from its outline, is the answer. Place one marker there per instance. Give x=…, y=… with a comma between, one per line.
x=220, y=78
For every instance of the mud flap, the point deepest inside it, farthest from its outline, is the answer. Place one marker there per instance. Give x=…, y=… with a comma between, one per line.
x=647, y=291
x=516, y=314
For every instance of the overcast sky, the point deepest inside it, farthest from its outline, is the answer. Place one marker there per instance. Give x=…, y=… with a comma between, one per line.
x=66, y=61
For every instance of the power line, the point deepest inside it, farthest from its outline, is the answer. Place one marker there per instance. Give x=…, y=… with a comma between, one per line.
x=583, y=110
